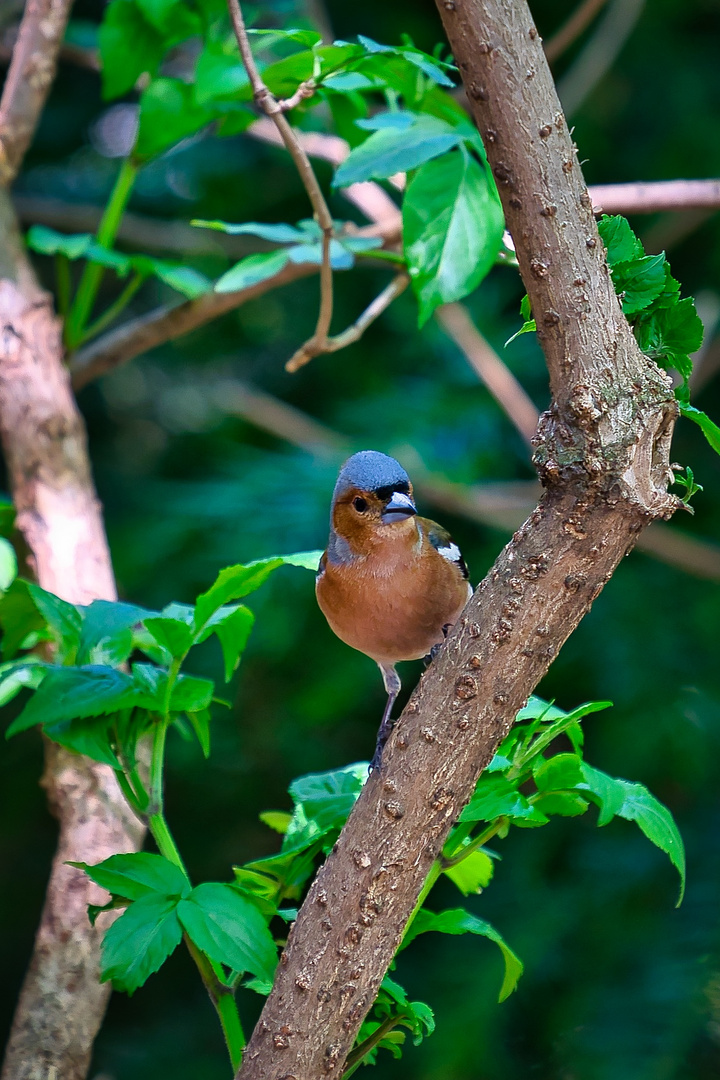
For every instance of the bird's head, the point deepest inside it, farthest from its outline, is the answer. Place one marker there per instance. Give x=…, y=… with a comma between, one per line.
x=372, y=500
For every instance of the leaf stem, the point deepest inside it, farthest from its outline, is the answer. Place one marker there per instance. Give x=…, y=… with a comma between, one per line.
x=92, y=274
x=355, y=1059
x=114, y=309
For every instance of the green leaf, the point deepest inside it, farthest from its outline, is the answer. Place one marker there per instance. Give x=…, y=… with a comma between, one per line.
x=391, y=150
x=140, y=941
x=232, y=627
x=277, y=820
x=191, y=694
x=106, y=636
x=708, y=427
x=635, y=803
x=670, y=334
x=228, y=927
x=620, y=241
x=88, y=736
x=251, y=270
x=19, y=617
x=200, y=723
x=234, y=582
x=68, y=693
x=8, y=564
x=459, y=921
x=558, y=773
x=20, y=674
x=452, y=229
x=277, y=234
x=496, y=797
x=129, y=47
x=64, y=621
x=562, y=803
x=472, y=874
x=174, y=19
x=136, y=875
x=305, y=37
x=168, y=113
x=183, y=279
x=172, y=634
x=639, y=282
x=327, y=798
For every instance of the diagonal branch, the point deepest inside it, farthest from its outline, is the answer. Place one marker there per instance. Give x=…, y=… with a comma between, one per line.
x=603, y=454
x=32, y=70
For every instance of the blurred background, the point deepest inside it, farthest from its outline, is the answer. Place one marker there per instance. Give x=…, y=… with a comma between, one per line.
x=199, y=465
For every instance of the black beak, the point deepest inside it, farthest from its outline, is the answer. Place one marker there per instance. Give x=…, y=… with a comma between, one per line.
x=398, y=507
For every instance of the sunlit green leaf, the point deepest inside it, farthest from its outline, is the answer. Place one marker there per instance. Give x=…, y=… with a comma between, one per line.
x=452, y=229
x=392, y=150
x=472, y=874
x=138, y=874
x=229, y=928
x=251, y=270
x=140, y=941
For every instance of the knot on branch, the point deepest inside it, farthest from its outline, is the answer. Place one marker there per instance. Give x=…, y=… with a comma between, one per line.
x=611, y=441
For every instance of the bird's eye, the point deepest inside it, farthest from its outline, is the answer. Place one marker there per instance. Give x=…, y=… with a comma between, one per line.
x=360, y=505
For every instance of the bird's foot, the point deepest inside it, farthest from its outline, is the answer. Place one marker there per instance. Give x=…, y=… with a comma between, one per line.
x=383, y=735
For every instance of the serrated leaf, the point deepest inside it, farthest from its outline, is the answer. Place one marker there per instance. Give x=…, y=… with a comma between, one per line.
x=251, y=270
x=639, y=282
x=327, y=798
x=670, y=334
x=635, y=803
x=63, y=619
x=89, y=736
x=620, y=241
x=172, y=634
x=138, y=874
x=228, y=927
x=106, y=634
x=459, y=921
x=168, y=113
x=19, y=617
x=234, y=582
x=560, y=803
x=472, y=874
x=560, y=772
x=140, y=941
x=129, y=47
x=232, y=627
x=452, y=229
x=68, y=693
x=709, y=428
x=390, y=150
x=200, y=723
x=304, y=37
x=495, y=797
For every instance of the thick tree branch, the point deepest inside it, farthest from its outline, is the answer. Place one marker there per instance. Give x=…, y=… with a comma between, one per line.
x=603, y=455
x=29, y=78
x=62, y=1002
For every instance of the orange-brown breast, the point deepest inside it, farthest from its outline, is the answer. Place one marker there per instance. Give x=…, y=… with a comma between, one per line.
x=393, y=602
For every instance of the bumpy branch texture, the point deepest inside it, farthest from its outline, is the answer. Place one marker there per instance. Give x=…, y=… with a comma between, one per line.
x=603, y=455
x=62, y=1002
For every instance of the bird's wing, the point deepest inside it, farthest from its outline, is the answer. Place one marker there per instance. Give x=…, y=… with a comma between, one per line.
x=444, y=544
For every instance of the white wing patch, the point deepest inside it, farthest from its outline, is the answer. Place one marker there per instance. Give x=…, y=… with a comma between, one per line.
x=451, y=553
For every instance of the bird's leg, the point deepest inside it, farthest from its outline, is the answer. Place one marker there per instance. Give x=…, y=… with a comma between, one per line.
x=392, y=685
x=427, y=660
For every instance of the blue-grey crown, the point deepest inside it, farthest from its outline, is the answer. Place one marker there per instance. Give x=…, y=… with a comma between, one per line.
x=370, y=470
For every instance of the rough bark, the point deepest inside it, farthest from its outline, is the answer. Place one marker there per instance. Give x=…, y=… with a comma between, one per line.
x=62, y=1002
x=602, y=452
x=31, y=72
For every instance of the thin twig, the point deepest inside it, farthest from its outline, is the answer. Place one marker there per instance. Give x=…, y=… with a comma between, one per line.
x=31, y=72
x=649, y=198
x=272, y=108
x=353, y=333
x=571, y=30
x=499, y=380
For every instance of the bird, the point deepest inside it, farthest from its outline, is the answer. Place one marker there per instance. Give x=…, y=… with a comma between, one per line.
x=390, y=583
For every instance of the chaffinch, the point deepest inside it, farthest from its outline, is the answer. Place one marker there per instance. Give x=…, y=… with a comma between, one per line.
x=391, y=583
